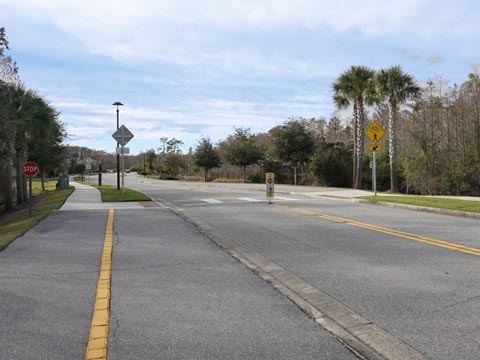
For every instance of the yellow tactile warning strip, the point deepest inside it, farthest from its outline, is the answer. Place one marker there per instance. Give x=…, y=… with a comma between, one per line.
x=405, y=235
x=97, y=341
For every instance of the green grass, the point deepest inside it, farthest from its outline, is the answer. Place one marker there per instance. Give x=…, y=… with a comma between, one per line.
x=17, y=222
x=452, y=204
x=111, y=194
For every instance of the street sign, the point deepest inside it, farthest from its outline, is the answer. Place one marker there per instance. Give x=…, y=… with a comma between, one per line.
x=374, y=132
x=122, y=135
x=375, y=147
x=30, y=168
x=147, y=164
x=270, y=182
x=122, y=150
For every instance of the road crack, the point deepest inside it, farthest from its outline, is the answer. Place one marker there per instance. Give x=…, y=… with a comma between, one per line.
x=463, y=302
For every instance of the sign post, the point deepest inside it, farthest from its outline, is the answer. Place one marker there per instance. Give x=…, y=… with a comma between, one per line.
x=270, y=183
x=374, y=132
x=30, y=169
x=374, y=175
x=123, y=136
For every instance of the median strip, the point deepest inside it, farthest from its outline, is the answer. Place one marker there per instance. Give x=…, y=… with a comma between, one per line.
x=97, y=342
x=402, y=234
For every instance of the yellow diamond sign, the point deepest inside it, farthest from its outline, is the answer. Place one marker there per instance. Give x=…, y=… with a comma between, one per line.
x=374, y=132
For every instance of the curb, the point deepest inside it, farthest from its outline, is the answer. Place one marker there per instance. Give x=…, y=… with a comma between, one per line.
x=458, y=213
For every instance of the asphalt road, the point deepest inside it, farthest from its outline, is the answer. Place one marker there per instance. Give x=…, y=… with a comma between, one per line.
x=420, y=291
x=174, y=294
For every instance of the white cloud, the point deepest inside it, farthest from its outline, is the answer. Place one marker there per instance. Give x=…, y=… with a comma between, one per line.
x=434, y=59
x=204, y=36
x=187, y=68
x=185, y=32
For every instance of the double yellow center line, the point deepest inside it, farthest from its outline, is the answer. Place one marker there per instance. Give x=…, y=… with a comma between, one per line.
x=402, y=234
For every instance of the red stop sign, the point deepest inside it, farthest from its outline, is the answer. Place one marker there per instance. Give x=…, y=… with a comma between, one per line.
x=30, y=168
x=270, y=180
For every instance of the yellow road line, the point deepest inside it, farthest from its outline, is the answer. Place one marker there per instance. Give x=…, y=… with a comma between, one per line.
x=97, y=342
x=402, y=234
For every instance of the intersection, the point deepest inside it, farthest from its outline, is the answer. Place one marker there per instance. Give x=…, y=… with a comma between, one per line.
x=213, y=271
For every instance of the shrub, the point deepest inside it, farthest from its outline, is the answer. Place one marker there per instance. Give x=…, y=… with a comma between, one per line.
x=227, y=180
x=256, y=179
x=167, y=177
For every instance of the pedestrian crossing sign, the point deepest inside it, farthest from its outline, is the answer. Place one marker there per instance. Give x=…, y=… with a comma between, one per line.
x=374, y=132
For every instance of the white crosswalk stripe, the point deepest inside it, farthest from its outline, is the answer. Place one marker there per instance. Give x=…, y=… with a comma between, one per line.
x=249, y=199
x=284, y=198
x=212, y=201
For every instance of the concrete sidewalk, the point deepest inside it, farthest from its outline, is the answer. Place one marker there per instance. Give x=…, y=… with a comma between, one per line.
x=48, y=279
x=89, y=198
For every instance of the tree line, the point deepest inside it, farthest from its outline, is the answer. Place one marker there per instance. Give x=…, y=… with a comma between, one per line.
x=432, y=142
x=30, y=130
x=298, y=151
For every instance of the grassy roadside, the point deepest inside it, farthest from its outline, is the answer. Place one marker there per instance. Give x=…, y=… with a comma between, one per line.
x=16, y=223
x=111, y=194
x=452, y=204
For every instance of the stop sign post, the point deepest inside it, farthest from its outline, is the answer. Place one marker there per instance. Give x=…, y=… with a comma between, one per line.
x=269, y=180
x=30, y=169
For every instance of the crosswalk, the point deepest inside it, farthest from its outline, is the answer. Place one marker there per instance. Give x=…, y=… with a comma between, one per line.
x=227, y=200
x=212, y=201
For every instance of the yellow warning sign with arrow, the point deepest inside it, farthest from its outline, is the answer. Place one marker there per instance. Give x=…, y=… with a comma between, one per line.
x=375, y=147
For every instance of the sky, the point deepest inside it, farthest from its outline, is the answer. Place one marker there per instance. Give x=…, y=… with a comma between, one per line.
x=191, y=69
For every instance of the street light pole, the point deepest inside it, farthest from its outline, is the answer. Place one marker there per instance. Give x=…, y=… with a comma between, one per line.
x=117, y=104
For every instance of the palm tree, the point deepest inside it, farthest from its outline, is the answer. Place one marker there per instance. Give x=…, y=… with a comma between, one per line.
x=6, y=144
x=24, y=118
x=44, y=138
x=27, y=105
x=396, y=87
x=356, y=87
